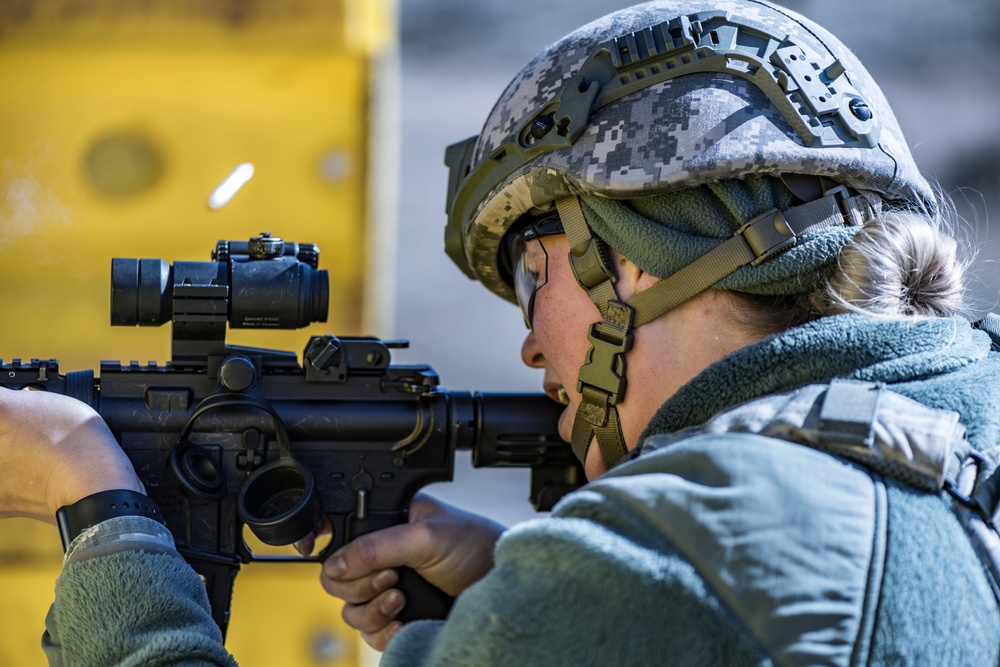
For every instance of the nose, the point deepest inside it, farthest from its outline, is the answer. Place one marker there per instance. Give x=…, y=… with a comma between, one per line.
x=531, y=354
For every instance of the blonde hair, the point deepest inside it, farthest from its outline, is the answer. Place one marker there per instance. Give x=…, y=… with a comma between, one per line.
x=900, y=264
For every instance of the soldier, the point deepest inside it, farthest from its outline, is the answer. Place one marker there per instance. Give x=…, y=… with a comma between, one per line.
x=725, y=256
x=742, y=289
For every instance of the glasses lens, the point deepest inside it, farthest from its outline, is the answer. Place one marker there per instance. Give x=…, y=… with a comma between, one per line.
x=531, y=262
x=526, y=277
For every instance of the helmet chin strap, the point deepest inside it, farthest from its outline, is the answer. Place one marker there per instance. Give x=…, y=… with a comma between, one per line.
x=601, y=382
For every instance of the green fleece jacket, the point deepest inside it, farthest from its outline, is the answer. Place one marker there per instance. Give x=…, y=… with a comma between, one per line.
x=722, y=548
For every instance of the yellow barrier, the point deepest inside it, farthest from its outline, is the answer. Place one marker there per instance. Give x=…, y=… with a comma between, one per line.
x=117, y=120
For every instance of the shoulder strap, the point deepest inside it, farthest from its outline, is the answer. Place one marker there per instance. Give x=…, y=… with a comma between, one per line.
x=847, y=418
x=916, y=444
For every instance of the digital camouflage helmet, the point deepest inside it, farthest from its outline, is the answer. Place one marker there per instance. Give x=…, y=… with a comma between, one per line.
x=660, y=98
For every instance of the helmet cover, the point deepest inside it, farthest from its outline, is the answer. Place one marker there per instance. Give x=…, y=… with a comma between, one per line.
x=739, y=87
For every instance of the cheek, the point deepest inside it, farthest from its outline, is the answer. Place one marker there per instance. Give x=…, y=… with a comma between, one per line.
x=563, y=315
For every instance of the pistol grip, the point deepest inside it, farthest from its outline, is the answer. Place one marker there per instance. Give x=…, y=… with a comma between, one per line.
x=424, y=600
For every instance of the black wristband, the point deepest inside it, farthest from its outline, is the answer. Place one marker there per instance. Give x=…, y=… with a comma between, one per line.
x=92, y=510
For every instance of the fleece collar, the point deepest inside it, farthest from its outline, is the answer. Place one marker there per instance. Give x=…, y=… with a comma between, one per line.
x=940, y=362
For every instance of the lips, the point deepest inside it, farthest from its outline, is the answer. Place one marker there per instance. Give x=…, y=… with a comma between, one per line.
x=558, y=393
x=554, y=389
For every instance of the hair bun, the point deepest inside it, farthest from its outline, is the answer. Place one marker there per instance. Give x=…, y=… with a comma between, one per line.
x=901, y=263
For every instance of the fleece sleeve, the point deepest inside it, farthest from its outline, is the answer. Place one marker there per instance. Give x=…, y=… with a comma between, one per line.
x=599, y=589
x=127, y=598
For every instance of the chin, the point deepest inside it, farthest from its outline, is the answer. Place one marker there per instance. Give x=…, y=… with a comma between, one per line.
x=594, y=467
x=566, y=423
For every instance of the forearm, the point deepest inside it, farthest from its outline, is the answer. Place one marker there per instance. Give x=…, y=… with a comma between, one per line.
x=126, y=597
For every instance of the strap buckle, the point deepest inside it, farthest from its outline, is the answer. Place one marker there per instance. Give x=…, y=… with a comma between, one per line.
x=852, y=216
x=604, y=368
x=767, y=235
x=589, y=261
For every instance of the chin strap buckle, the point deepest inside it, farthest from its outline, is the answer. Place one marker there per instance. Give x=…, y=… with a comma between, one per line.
x=604, y=369
x=602, y=385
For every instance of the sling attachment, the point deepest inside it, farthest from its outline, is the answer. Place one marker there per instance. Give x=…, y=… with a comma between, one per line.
x=977, y=496
x=991, y=325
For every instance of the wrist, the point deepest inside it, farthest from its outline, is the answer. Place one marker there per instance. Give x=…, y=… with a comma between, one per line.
x=93, y=509
x=68, y=486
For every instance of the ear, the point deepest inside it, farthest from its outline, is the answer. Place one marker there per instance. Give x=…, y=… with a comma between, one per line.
x=631, y=279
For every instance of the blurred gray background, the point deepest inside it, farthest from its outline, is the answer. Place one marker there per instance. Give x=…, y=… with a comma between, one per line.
x=938, y=63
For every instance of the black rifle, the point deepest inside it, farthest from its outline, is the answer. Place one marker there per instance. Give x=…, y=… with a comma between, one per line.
x=223, y=436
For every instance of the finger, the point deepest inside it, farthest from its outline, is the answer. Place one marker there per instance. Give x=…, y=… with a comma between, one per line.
x=377, y=614
x=380, y=640
x=388, y=548
x=307, y=544
x=362, y=589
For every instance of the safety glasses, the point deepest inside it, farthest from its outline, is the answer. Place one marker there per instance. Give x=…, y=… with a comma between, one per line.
x=530, y=262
